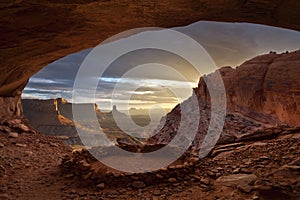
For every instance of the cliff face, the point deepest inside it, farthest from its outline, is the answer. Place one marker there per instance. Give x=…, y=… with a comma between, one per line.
x=44, y=115
x=263, y=95
x=40, y=112
x=268, y=85
x=55, y=117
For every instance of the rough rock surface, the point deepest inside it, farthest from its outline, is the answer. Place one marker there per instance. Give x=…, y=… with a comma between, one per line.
x=11, y=106
x=268, y=85
x=267, y=169
x=263, y=96
x=26, y=27
x=36, y=166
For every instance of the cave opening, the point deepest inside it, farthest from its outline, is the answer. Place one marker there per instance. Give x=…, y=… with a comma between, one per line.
x=36, y=166
x=47, y=98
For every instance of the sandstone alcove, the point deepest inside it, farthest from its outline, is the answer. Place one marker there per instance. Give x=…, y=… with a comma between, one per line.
x=35, y=33
x=56, y=79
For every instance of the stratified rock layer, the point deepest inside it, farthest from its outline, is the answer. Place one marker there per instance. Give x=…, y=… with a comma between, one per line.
x=268, y=85
x=263, y=95
x=55, y=117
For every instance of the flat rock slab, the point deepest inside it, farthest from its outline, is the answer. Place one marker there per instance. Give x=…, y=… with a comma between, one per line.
x=241, y=181
x=237, y=178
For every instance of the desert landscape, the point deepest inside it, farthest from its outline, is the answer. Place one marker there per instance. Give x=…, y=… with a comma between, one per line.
x=54, y=117
x=264, y=140
x=47, y=152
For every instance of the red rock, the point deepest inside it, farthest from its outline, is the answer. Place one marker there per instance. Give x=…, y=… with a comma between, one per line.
x=21, y=145
x=172, y=180
x=138, y=184
x=268, y=85
x=13, y=135
x=101, y=186
x=79, y=27
x=242, y=181
x=262, y=96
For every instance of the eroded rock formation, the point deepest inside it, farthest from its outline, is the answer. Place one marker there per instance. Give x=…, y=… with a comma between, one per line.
x=10, y=106
x=268, y=84
x=55, y=117
x=263, y=96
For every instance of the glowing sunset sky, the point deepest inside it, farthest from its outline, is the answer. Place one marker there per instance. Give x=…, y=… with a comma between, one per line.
x=227, y=43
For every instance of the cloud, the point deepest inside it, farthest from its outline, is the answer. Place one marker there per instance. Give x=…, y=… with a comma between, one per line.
x=152, y=82
x=233, y=43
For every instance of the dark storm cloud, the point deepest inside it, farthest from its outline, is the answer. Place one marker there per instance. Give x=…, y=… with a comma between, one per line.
x=227, y=44
x=65, y=68
x=144, y=56
x=46, y=83
x=145, y=88
x=233, y=43
x=34, y=91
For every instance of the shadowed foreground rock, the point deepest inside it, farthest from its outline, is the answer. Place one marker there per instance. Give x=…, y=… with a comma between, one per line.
x=267, y=169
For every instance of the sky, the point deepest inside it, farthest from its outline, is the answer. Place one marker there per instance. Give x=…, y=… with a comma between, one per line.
x=148, y=77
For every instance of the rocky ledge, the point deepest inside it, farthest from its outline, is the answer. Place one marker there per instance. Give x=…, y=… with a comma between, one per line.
x=262, y=94
x=265, y=169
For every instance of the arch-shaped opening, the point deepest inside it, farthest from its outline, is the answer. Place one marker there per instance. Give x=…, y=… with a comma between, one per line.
x=229, y=44
x=36, y=33
x=72, y=27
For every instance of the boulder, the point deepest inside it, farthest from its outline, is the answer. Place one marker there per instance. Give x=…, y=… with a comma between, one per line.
x=241, y=181
x=13, y=135
x=138, y=184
